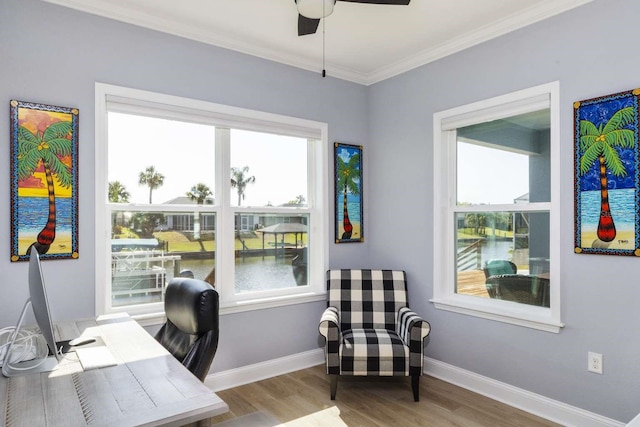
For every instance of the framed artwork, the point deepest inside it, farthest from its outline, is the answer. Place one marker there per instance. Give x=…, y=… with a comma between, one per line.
x=44, y=180
x=607, y=185
x=348, y=193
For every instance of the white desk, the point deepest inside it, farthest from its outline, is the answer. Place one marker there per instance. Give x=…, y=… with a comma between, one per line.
x=148, y=387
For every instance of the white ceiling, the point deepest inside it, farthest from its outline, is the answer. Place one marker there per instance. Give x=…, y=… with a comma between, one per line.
x=364, y=43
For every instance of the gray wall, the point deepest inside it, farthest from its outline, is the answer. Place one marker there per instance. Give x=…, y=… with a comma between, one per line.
x=600, y=294
x=54, y=55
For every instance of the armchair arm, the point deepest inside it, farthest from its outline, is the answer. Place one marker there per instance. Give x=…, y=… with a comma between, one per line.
x=329, y=328
x=329, y=324
x=413, y=330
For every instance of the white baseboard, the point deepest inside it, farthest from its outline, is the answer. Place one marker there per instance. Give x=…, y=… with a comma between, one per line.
x=536, y=404
x=263, y=370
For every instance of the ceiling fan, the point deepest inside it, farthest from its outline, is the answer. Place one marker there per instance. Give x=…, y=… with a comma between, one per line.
x=311, y=11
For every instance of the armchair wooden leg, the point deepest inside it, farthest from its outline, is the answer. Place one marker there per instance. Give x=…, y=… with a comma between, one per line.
x=334, y=386
x=415, y=386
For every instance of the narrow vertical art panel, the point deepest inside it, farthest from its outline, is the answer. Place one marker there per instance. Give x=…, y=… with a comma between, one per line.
x=348, y=193
x=44, y=181
x=607, y=184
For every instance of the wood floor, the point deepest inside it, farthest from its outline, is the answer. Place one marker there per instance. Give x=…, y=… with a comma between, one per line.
x=301, y=399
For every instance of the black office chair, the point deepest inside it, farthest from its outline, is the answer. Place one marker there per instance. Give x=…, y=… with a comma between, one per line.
x=191, y=332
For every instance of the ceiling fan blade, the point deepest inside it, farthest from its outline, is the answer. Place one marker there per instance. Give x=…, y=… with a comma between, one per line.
x=307, y=25
x=398, y=2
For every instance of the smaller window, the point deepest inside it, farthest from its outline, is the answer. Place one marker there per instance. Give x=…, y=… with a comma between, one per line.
x=496, y=194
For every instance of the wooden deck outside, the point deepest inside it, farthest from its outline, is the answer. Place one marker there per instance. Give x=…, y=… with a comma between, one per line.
x=471, y=282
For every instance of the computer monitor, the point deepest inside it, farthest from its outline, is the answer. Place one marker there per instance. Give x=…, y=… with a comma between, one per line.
x=40, y=306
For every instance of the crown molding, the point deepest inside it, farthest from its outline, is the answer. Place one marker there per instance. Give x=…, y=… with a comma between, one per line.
x=207, y=36
x=496, y=29
x=513, y=22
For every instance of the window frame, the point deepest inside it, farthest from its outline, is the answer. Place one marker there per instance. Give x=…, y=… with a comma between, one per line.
x=121, y=99
x=445, y=124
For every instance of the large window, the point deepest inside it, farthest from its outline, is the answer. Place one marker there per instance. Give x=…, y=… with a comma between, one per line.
x=187, y=188
x=496, y=209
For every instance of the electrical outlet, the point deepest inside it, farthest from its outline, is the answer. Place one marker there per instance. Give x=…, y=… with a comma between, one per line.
x=594, y=362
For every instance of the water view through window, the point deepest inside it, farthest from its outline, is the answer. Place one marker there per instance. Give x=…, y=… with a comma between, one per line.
x=188, y=188
x=151, y=248
x=166, y=170
x=502, y=251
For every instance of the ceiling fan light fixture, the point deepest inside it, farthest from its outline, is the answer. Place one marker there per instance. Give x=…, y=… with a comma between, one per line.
x=315, y=9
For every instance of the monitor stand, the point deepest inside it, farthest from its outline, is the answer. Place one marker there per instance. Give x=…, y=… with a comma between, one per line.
x=28, y=366
x=33, y=366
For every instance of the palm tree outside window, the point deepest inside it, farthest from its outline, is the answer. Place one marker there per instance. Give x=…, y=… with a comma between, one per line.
x=151, y=178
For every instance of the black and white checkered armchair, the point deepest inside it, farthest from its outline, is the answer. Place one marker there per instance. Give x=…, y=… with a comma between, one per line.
x=369, y=328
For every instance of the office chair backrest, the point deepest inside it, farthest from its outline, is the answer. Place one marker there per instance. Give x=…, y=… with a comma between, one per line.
x=191, y=331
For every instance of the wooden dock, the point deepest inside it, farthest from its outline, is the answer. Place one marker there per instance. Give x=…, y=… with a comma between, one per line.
x=471, y=282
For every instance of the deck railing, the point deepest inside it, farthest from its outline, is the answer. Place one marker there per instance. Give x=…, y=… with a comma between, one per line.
x=470, y=257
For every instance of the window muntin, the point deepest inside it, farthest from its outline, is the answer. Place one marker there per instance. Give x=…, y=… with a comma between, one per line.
x=203, y=145
x=495, y=188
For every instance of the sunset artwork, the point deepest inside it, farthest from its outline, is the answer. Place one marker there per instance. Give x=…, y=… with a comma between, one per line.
x=44, y=181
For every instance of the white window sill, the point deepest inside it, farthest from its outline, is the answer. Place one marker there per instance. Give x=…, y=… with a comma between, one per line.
x=158, y=317
x=533, y=317
x=262, y=303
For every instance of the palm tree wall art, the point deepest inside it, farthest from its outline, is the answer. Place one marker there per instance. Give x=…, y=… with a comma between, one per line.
x=606, y=174
x=348, y=192
x=44, y=180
